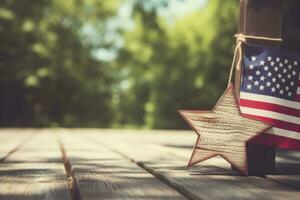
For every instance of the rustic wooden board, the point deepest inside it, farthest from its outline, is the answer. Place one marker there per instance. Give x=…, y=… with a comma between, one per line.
x=102, y=162
x=11, y=140
x=196, y=186
x=179, y=147
x=287, y=162
x=290, y=180
x=100, y=172
x=35, y=171
x=287, y=168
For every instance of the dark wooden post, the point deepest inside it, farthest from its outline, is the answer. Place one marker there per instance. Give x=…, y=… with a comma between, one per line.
x=291, y=26
x=260, y=18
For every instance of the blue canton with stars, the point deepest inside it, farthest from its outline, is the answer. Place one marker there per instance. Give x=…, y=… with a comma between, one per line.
x=270, y=71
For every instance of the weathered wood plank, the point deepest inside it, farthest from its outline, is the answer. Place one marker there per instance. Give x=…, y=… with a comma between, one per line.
x=291, y=180
x=168, y=169
x=100, y=172
x=35, y=171
x=287, y=168
x=163, y=153
x=11, y=140
x=180, y=148
x=287, y=162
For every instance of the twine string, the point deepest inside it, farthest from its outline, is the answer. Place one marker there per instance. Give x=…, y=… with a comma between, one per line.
x=241, y=39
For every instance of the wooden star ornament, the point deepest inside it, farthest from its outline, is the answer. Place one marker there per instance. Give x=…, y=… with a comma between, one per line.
x=223, y=131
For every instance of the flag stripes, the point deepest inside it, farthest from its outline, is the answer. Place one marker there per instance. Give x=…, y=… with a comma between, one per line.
x=270, y=92
x=279, y=141
x=283, y=114
x=269, y=106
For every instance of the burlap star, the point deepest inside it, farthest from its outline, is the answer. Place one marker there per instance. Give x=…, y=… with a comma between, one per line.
x=223, y=131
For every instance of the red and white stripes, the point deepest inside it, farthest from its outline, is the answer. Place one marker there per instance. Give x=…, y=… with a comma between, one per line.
x=283, y=114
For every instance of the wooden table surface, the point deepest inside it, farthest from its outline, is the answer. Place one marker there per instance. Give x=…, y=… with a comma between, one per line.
x=128, y=164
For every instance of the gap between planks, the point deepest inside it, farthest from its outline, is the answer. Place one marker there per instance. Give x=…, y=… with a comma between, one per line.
x=169, y=147
x=71, y=180
x=107, y=180
x=17, y=146
x=149, y=168
x=157, y=175
x=35, y=171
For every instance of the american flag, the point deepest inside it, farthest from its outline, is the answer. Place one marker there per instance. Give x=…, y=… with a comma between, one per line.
x=270, y=92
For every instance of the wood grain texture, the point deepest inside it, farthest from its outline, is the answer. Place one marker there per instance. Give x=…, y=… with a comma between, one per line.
x=260, y=18
x=223, y=132
x=11, y=140
x=160, y=144
x=293, y=181
x=287, y=168
x=35, y=171
x=196, y=184
x=100, y=172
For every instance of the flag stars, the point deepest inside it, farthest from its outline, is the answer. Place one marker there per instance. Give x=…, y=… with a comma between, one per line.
x=261, y=87
x=249, y=86
x=269, y=74
x=266, y=68
x=277, y=86
x=295, y=63
x=272, y=63
x=273, y=89
x=287, y=88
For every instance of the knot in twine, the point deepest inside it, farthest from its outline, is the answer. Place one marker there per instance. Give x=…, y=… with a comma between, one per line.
x=241, y=39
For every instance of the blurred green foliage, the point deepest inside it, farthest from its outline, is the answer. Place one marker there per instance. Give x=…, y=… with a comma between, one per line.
x=50, y=76
x=183, y=65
